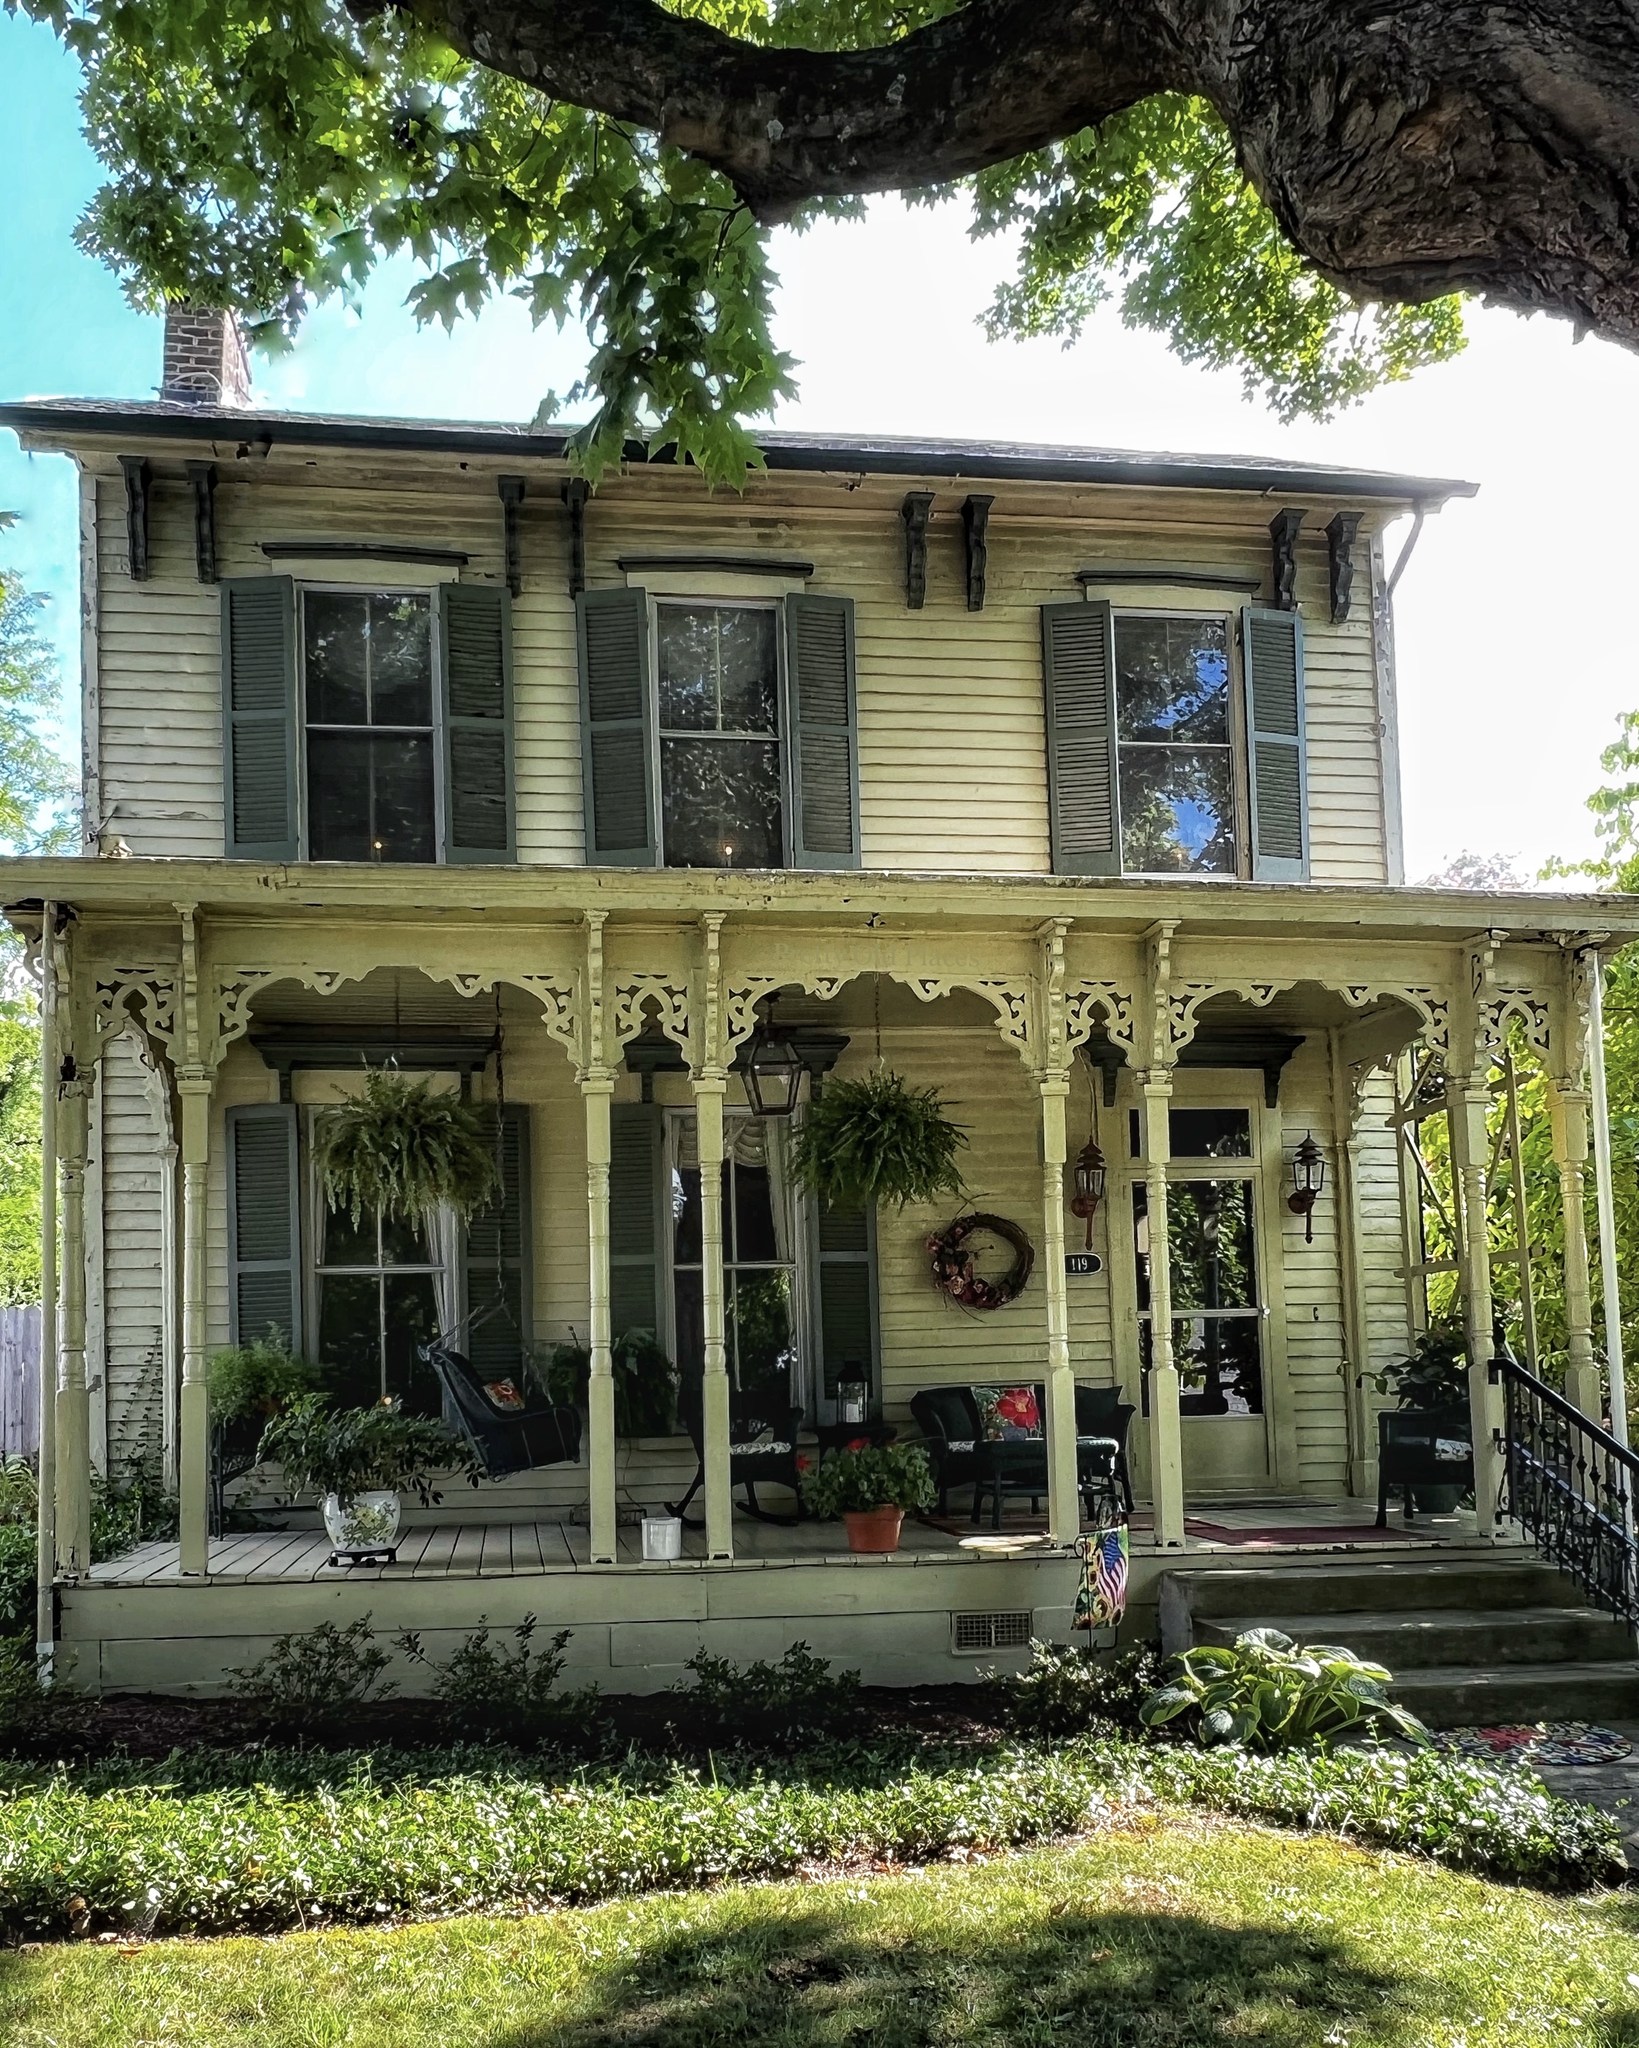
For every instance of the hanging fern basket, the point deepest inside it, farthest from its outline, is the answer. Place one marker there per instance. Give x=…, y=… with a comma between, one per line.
x=877, y=1140
x=403, y=1149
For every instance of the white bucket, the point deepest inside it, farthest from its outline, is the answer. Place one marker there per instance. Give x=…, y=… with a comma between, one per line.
x=662, y=1538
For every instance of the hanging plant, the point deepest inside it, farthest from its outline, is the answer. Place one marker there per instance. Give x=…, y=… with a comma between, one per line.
x=877, y=1140
x=398, y=1147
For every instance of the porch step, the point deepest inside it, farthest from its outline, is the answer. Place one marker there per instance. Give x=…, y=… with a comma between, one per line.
x=1429, y=1638
x=1468, y=1641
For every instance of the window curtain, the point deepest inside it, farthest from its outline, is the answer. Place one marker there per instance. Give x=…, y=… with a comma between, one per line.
x=444, y=1244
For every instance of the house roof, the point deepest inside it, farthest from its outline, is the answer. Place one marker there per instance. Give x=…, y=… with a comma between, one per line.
x=66, y=420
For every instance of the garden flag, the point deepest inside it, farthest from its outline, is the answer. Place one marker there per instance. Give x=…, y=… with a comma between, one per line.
x=1101, y=1600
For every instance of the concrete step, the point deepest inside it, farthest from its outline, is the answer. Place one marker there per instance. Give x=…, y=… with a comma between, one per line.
x=1421, y=1639
x=1457, y=1696
x=1400, y=1587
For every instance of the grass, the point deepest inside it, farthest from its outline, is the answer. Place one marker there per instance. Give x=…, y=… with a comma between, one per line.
x=1168, y=1933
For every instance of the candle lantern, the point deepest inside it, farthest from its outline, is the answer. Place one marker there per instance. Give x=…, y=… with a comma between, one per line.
x=1308, y=1178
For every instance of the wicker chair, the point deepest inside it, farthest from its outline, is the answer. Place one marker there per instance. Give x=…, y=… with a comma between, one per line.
x=505, y=1439
x=762, y=1448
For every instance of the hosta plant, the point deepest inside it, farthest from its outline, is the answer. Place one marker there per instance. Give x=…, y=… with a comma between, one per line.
x=877, y=1140
x=1268, y=1692
x=405, y=1150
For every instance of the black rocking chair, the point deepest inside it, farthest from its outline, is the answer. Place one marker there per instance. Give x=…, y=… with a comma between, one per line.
x=762, y=1447
x=506, y=1436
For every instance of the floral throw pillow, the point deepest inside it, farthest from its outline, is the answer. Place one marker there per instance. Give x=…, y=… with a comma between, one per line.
x=504, y=1395
x=1008, y=1415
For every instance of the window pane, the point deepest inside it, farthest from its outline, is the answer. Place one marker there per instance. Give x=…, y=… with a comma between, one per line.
x=1221, y=1360
x=687, y=653
x=404, y=1244
x=401, y=661
x=718, y=668
x=689, y=1315
x=686, y=1215
x=1177, y=811
x=370, y=799
x=759, y=1332
x=347, y=1243
x=1210, y=1133
x=749, y=670
x=412, y=1319
x=721, y=804
x=1172, y=679
x=336, y=625
x=1209, y=1233
x=350, y=1338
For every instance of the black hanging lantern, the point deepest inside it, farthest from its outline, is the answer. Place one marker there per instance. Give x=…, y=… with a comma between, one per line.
x=773, y=1071
x=1308, y=1178
x=1090, y=1176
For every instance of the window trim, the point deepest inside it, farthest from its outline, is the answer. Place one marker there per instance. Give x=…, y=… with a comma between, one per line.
x=428, y=588
x=764, y=602
x=1240, y=772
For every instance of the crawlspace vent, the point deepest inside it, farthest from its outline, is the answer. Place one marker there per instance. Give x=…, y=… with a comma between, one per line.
x=1006, y=1630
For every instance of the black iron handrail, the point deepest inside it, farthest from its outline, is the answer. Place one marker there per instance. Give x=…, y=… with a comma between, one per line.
x=1571, y=1486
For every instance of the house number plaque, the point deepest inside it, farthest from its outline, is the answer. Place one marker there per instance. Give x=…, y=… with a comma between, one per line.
x=1083, y=1262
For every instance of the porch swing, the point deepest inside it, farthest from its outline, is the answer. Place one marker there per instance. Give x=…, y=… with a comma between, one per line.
x=506, y=1430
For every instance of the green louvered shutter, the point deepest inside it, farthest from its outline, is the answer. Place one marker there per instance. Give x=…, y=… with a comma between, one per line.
x=264, y=1224
x=259, y=724
x=1272, y=650
x=1078, y=675
x=819, y=643
x=845, y=1284
x=495, y=1260
x=634, y=1217
x=617, y=727
x=475, y=681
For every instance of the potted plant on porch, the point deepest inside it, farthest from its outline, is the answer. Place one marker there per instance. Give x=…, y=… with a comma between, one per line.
x=871, y=1486
x=358, y=1461
x=1434, y=1374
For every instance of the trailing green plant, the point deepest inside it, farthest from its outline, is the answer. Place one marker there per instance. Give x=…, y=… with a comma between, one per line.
x=876, y=1140
x=312, y=1684
x=862, y=1476
x=645, y=1380
x=349, y=1451
x=404, y=1149
x=1269, y=1692
x=513, y=1694
x=250, y=1382
x=1068, y=1690
x=799, y=1698
x=1434, y=1375
x=210, y=1843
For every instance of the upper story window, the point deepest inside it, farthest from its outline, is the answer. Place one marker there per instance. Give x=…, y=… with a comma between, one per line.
x=370, y=725
x=1176, y=757
x=721, y=769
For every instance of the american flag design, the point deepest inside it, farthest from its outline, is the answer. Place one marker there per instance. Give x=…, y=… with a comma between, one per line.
x=1101, y=1600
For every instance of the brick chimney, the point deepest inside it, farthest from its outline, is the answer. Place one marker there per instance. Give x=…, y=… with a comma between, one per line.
x=205, y=359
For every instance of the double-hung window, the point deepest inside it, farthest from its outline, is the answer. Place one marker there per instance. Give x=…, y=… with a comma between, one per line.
x=720, y=762
x=370, y=725
x=1175, y=755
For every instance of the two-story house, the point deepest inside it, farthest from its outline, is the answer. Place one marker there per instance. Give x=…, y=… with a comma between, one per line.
x=1063, y=780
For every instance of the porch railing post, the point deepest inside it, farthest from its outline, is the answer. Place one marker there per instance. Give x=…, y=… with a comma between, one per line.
x=1469, y=1105
x=1063, y=1490
x=1166, y=1429
x=73, y=1403
x=193, y=1409
x=1568, y=1109
x=597, y=1090
x=709, y=1090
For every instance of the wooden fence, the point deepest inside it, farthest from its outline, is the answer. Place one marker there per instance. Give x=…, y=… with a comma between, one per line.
x=19, y=1381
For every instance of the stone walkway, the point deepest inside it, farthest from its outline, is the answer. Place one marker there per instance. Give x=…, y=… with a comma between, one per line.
x=1615, y=1786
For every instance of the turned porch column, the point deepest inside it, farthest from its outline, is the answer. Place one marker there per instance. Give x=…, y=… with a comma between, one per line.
x=1605, y=1188
x=1568, y=1113
x=194, y=1086
x=1166, y=1428
x=1468, y=1107
x=709, y=1090
x=46, y=1515
x=73, y=1399
x=597, y=1091
x=1063, y=1487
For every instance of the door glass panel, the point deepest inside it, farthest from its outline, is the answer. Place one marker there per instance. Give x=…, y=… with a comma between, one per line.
x=1220, y=1361
x=1210, y=1133
x=1217, y=1329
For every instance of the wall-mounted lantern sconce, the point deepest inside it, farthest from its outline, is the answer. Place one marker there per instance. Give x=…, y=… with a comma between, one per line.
x=1308, y=1178
x=773, y=1070
x=1089, y=1185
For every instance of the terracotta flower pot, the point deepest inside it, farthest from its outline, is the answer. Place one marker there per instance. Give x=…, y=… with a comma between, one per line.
x=873, y=1528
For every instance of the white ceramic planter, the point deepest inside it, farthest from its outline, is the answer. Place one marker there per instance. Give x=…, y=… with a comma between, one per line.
x=363, y=1525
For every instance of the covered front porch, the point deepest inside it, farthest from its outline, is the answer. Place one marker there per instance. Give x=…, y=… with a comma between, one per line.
x=1198, y=1050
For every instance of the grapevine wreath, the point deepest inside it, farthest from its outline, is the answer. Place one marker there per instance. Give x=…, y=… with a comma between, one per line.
x=953, y=1263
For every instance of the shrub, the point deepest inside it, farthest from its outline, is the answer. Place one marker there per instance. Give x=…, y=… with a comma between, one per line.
x=511, y=1695
x=863, y=1476
x=309, y=1685
x=761, y=1702
x=349, y=1451
x=1269, y=1692
x=1071, y=1691
x=249, y=1382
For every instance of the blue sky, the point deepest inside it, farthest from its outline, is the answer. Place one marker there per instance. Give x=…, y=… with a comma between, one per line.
x=1514, y=650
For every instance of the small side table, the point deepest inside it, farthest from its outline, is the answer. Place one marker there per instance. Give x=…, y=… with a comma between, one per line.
x=834, y=1436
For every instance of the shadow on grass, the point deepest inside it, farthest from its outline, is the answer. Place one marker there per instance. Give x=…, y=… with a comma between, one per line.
x=1095, y=1980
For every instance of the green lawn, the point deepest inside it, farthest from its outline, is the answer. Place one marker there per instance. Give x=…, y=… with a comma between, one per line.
x=1174, y=1934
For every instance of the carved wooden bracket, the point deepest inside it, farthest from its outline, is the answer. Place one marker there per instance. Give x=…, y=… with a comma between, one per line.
x=976, y=528
x=1340, y=539
x=1283, y=535
x=915, y=512
x=202, y=476
x=574, y=498
x=138, y=479
x=511, y=490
